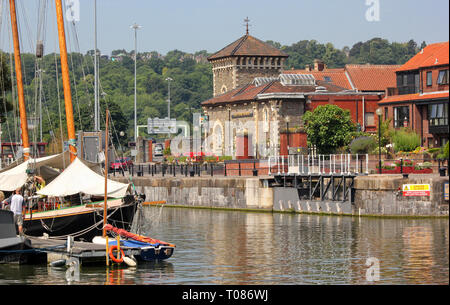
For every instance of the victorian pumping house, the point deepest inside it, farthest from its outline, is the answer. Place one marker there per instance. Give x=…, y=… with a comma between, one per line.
x=257, y=107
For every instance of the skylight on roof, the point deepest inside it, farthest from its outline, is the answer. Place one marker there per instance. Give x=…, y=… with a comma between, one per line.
x=259, y=81
x=297, y=79
x=327, y=79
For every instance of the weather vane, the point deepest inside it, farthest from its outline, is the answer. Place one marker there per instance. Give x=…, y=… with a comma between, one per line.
x=246, y=20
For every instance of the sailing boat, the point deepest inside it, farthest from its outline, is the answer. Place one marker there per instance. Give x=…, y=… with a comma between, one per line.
x=63, y=212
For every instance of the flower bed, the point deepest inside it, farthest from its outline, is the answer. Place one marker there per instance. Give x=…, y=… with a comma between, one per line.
x=409, y=167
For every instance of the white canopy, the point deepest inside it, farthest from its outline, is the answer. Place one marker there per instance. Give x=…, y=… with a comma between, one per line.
x=14, y=177
x=79, y=178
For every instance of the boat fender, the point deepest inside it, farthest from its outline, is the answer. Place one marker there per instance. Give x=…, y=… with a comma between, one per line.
x=58, y=263
x=113, y=258
x=129, y=261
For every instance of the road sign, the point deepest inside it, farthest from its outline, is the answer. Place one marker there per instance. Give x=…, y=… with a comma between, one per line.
x=157, y=125
x=416, y=190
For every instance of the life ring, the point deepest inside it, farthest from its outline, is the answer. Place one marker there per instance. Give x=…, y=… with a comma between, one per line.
x=114, y=259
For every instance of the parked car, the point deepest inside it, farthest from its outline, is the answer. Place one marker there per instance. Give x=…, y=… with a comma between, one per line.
x=158, y=150
x=121, y=163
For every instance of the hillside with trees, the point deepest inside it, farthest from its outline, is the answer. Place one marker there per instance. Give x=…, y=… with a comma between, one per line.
x=191, y=74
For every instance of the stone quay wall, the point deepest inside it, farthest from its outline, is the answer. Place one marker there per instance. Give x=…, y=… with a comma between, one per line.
x=374, y=195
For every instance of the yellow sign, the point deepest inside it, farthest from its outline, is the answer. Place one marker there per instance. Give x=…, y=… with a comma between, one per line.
x=416, y=190
x=446, y=191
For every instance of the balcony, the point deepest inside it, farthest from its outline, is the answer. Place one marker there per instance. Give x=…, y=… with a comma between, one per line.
x=409, y=89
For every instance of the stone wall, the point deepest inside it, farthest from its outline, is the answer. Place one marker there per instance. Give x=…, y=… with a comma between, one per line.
x=375, y=195
x=382, y=195
x=230, y=193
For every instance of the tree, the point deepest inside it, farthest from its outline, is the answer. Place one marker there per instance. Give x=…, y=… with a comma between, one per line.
x=328, y=127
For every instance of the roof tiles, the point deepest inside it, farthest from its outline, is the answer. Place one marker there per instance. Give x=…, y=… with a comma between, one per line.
x=248, y=45
x=432, y=55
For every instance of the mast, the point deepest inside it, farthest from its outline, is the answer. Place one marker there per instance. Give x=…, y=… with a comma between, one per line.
x=66, y=80
x=96, y=108
x=105, y=206
x=20, y=92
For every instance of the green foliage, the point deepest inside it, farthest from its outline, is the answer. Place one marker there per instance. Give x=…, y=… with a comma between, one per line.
x=362, y=145
x=405, y=140
x=166, y=151
x=443, y=152
x=374, y=51
x=328, y=127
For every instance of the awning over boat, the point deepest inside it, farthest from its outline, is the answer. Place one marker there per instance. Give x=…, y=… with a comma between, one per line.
x=15, y=176
x=79, y=178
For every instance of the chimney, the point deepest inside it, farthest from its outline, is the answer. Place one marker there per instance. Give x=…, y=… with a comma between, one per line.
x=307, y=68
x=318, y=65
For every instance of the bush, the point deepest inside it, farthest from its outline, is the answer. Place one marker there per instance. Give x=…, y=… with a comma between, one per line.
x=444, y=153
x=423, y=165
x=362, y=145
x=405, y=140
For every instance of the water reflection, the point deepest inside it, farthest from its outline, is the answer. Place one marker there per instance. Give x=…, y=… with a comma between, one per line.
x=224, y=247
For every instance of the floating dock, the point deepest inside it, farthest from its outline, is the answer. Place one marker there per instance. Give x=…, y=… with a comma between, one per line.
x=85, y=252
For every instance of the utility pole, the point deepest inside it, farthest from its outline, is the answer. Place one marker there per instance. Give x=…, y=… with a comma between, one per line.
x=135, y=27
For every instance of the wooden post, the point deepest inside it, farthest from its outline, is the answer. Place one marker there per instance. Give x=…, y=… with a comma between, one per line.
x=20, y=92
x=66, y=80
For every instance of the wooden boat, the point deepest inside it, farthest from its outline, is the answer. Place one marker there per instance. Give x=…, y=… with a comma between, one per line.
x=13, y=248
x=78, y=179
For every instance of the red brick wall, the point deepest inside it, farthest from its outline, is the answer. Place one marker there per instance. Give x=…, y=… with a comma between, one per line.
x=352, y=103
x=435, y=73
x=297, y=139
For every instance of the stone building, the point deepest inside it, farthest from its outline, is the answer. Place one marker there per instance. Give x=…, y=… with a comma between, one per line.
x=241, y=61
x=257, y=107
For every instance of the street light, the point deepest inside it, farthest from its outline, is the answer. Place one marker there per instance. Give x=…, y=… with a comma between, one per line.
x=168, y=79
x=287, y=132
x=379, y=112
x=135, y=27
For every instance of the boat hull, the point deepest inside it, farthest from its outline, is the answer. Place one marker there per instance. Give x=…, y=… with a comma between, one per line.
x=82, y=225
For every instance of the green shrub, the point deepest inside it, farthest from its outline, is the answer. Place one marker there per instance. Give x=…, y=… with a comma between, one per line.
x=423, y=165
x=445, y=151
x=405, y=140
x=362, y=145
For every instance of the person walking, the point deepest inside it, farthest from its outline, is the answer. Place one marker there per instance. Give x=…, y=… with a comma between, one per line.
x=18, y=208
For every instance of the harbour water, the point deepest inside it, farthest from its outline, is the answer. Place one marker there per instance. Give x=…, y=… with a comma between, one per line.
x=238, y=248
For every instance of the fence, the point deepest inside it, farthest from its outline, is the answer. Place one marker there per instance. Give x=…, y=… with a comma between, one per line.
x=295, y=164
x=319, y=164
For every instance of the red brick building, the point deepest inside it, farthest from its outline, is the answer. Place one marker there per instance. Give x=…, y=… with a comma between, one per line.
x=420, y=98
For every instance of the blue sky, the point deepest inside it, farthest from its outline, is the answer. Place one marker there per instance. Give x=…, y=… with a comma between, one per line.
x=212, y=24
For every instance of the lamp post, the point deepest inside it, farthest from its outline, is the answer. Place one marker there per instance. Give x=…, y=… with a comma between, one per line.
x=379, y=112
x=168, y=79
x=287, y=133
x=135, y=27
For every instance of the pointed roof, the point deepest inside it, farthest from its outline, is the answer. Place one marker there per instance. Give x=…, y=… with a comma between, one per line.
x=435, y=54
x=248, y=45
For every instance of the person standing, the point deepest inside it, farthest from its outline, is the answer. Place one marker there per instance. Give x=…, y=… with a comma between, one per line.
x=18, y=208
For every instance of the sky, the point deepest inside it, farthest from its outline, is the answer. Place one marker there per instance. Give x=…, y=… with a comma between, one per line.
x=210, y=25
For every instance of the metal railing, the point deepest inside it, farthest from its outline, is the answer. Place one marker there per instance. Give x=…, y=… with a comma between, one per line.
x=319, y=164
x=334, y=164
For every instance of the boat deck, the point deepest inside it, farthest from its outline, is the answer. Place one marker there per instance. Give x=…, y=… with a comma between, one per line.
x=85, y=252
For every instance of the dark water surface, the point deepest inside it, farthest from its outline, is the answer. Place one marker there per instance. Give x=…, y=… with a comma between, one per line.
x=231, y=247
